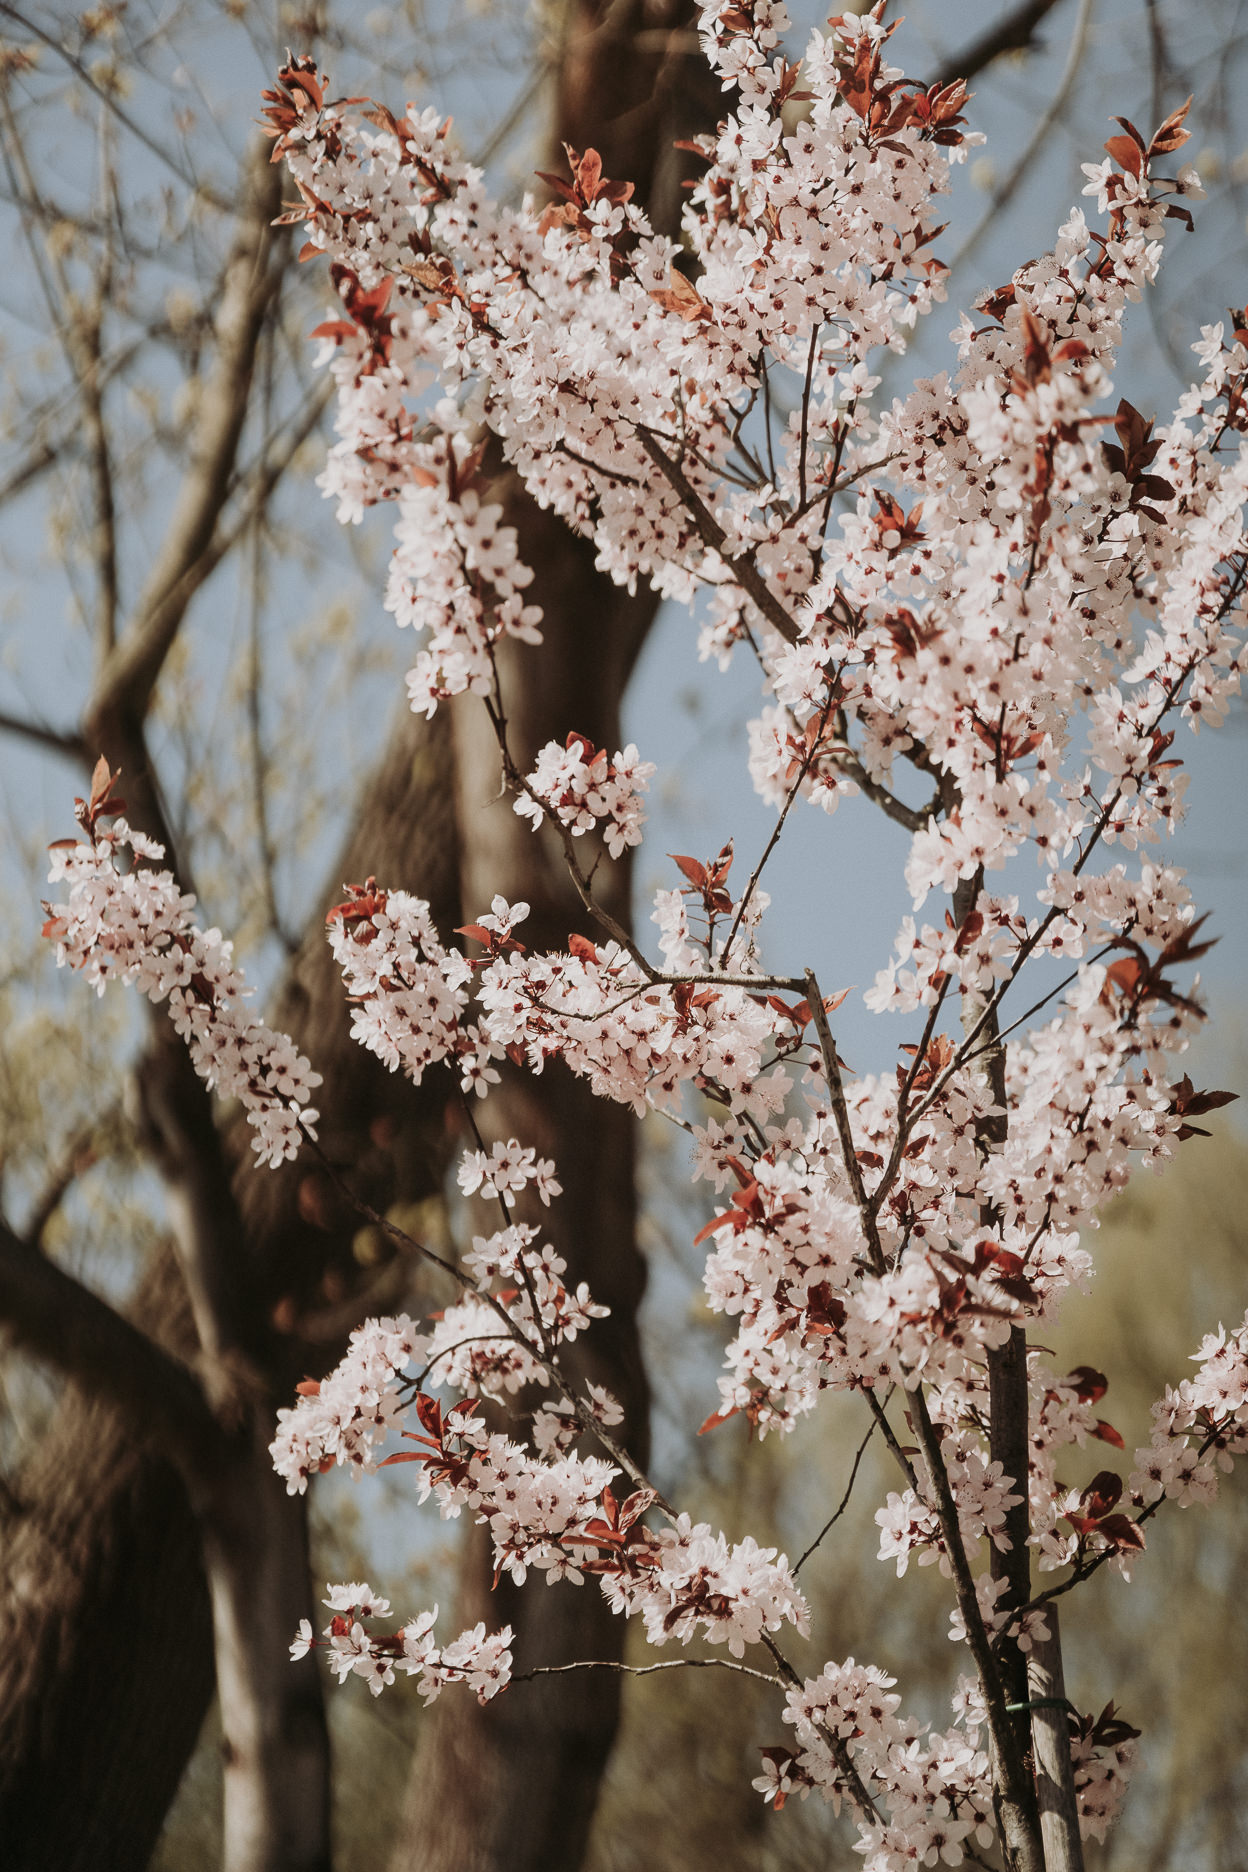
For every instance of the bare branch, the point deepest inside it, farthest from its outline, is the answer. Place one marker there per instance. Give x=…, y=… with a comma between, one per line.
x=745, y=573
x=1005, y=191
x=843, y=1504
x=201, y=188
x=1015, y=33
x=59, y=740
x=57, y=1319
x=648, y=1670
x=191, y=546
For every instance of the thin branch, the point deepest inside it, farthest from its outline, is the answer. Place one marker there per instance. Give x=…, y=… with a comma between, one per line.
x=648, y=1670
x=744, y=572
x=1004, y=193
x=843, y=1504
x=1015, y=33
x=192, y=546
x=795, y=788
x=844, y=1130
x=193, y=182
x=59, y=740
x=79, y=1154
x=913, y=818
x=890, y=1437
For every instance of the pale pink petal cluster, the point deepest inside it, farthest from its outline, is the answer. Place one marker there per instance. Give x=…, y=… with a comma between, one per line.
x=1199, y=1426
x=344, y=1418
x=476, y=1658
x=125, y=920
x=583, y=788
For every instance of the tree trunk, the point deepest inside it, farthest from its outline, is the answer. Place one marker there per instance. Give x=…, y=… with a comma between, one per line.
x=106, y=1646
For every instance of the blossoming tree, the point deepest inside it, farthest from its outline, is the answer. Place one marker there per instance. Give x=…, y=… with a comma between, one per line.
x=1003, y=594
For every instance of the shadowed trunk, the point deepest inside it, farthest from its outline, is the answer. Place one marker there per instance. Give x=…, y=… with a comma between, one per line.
x=513, y=1785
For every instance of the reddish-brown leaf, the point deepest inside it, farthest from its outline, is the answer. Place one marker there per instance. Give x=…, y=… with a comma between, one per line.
x=1127, y=153
x=695, y=872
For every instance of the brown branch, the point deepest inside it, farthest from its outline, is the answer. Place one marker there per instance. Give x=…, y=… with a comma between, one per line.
x=57, y=1319
x=744, y=572
x=78, y=1155
x=59, y=740
x=843, y=1504
x=647, y=1670
x=913, y=818
x=203, y=190
x=1014, y=1795
x=191, y=545
x=1015, y=33
x=1055, y=1778
x=844, y=1130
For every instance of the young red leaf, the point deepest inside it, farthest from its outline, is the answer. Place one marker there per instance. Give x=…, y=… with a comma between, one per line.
x=1123, y=1532
x=695, y=872
x=1127, y=153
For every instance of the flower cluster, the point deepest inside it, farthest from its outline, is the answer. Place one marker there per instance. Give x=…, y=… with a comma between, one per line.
x=935, y=1785
x=506, y=1169
x=481, y=1661
x=125, y=920
x=341, y=1419
x=1199, y=1426
x=583, y=788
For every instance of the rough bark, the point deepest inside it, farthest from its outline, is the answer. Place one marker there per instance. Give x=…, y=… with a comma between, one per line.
x=102, y=1597
x=1050, y=1728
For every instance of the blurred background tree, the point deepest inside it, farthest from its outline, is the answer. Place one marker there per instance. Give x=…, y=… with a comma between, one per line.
x=178, y=600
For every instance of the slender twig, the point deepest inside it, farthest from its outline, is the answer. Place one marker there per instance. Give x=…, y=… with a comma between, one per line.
x=890, y=1437
x=795, y=788
x=648, y=1670
x=844, y=1130
x=843, y=1504
x=65, y=741
x=1004, y=193
x=811, y=355
x=743, y=570
x=195, y=183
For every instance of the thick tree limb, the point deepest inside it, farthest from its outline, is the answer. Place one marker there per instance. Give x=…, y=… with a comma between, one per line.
x=54, y=1317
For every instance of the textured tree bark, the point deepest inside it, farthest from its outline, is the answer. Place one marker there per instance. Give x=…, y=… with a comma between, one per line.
x=105, y=1633
x=1050, y=1728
